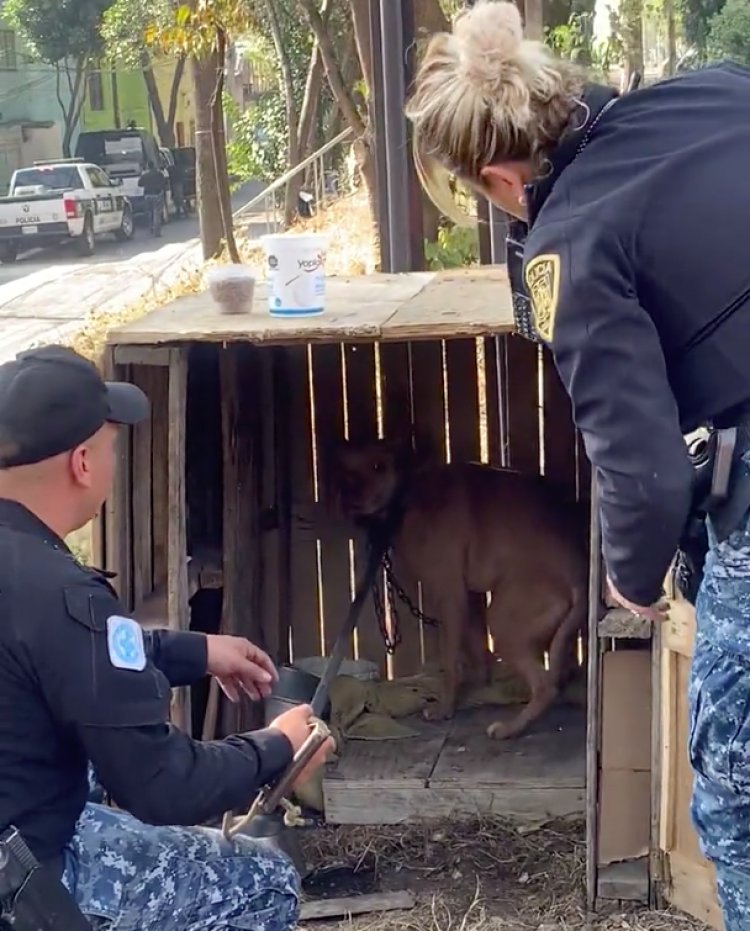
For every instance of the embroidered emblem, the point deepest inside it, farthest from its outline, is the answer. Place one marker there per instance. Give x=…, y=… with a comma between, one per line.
x=125, y=644
x=543, y=283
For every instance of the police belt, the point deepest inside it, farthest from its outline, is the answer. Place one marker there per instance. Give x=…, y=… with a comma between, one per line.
x=721, y=495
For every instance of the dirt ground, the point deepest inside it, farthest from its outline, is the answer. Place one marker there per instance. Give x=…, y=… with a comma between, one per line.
x=474, y=876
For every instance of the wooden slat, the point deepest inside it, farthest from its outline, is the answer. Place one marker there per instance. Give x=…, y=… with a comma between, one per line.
x=363, y=427
x=560, y=439
x=328, y=387
x=159, y=472
x=304, y=602
x=593, y=708
x=276, y=491
x=177, y=585
x=396, y=393
x=143, y=546
x=495, y=379
x=239, y=368
x=523, y=405
x=463, y=400
x=357, y=905
x=118, y=507
x=466, y=302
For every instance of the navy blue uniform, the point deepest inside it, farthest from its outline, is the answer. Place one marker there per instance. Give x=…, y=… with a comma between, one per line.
x=63, y=703
x=637, y=267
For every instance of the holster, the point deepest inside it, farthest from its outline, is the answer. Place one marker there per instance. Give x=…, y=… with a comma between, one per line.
x=721, y=496
x=32, y=898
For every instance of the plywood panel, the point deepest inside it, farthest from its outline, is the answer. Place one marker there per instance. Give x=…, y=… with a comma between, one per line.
x=335, y=575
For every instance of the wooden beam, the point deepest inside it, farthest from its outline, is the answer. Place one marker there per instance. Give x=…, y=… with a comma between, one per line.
x=177, y=571
x=142, y=355
x=357, y=905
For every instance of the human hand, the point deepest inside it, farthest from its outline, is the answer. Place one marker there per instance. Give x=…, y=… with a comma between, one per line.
x=656, y=612
x=240, y=666
x=296, y=725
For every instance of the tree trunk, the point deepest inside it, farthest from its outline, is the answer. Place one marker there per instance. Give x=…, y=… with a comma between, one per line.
x=209, y=209
x=164, y=126
x=344, y=99
x=631, y=29
x=220, y=148
x=292, y=119
x=71, y=112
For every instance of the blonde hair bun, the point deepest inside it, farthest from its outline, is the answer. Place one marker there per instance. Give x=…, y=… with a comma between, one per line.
x=489, y=36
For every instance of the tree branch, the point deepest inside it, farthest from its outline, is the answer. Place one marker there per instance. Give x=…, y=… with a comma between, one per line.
x=338, y=88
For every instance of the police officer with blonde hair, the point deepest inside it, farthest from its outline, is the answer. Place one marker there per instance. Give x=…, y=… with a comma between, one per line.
x=637, y=274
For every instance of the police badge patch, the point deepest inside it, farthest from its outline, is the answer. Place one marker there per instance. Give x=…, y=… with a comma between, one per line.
x=543, y=282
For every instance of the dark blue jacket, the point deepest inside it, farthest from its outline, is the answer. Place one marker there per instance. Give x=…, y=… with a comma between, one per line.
x=638, y=249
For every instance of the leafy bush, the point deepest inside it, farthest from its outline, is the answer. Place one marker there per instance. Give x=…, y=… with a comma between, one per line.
x=258, y=147
x=456, y=247
x=729, y=32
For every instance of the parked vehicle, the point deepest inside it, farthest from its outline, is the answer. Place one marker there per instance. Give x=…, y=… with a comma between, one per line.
x=125, y=154
x=55, y=201
x=184, y=157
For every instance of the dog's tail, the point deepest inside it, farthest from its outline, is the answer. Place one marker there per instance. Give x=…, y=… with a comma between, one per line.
x=563, y=650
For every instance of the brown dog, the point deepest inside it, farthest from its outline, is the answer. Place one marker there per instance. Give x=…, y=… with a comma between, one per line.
x=468, y=529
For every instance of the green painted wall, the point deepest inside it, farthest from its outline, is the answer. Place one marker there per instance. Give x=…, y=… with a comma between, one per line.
x=132, y=101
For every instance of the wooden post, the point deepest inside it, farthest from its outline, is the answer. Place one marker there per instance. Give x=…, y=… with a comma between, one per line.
x=118, y=507
x=593, y=710
x=177, y=574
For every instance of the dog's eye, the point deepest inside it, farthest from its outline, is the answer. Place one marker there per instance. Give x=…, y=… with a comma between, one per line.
x=378, y=467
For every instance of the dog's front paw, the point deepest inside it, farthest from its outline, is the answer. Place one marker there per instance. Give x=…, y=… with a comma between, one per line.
x=498, y=731
x=437, y=711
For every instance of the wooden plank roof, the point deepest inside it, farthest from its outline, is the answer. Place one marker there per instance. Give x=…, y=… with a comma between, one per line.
x=420, y=305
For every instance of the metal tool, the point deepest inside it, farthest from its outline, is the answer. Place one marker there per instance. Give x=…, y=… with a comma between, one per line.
x=271, y=814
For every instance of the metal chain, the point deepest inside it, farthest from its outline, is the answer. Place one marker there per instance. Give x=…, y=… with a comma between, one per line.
x=395, y=591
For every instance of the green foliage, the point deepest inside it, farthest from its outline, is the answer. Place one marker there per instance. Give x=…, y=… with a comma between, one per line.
x=697, y=17
x=195, y=29
x=574, y=40
x=258, y=148
x=126, y=24
x=56, y=30
x=729, y=32
x=456, y=246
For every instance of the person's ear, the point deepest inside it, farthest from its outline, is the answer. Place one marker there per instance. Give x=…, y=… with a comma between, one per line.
x=81, y=466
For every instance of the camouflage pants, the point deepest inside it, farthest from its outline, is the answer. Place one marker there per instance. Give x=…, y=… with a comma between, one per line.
x=129, y=876
x=719, y=743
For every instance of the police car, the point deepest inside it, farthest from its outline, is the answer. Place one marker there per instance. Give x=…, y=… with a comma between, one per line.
x=55, y=201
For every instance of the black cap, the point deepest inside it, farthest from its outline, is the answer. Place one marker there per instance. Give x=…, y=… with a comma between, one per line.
x=52, y=400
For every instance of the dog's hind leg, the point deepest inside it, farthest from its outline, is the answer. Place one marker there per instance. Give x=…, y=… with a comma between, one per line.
x=517, y=643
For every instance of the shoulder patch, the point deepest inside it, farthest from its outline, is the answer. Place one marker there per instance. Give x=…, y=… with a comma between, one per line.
x=125, y=644
x=543, y=282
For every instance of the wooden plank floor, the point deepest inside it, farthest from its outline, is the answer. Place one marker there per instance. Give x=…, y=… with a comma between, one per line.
x=454, y=770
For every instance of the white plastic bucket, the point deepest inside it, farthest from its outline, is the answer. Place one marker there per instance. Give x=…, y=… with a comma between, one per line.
x=295, y=274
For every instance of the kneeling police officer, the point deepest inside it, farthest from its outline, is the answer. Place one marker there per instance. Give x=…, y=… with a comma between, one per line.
x=81, y=683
